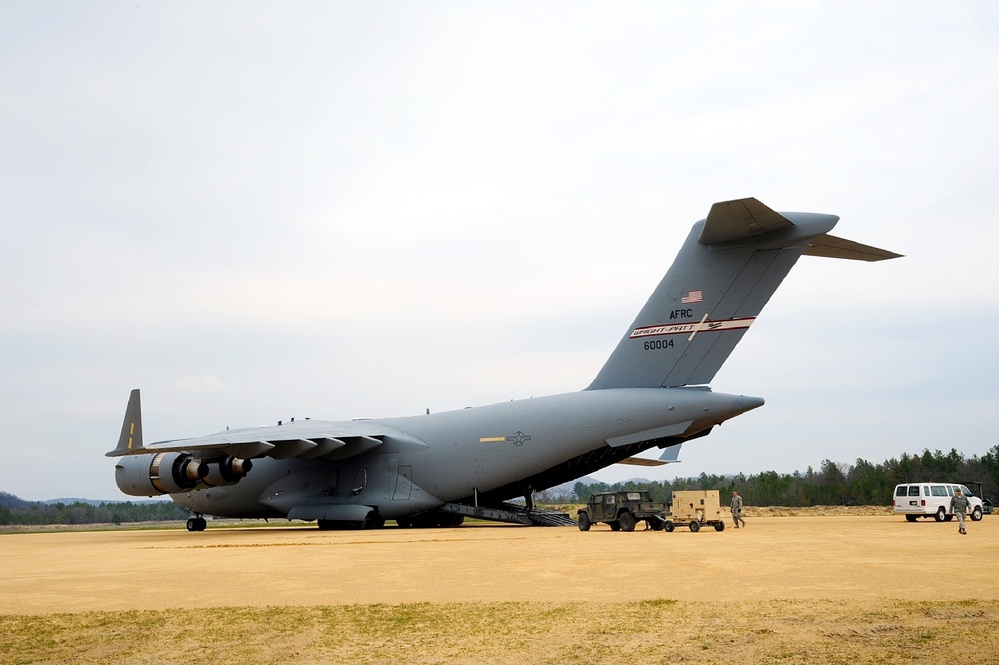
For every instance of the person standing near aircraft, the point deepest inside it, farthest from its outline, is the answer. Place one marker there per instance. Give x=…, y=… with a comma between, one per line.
x=737, y=509
x=959, y=506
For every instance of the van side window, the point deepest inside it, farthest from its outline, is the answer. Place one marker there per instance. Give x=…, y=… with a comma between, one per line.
x=913, y=490
x=939, y=490
x=901, y=490
x=950, y=490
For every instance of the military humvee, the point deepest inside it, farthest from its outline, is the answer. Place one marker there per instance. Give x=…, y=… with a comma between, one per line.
x=622, y=511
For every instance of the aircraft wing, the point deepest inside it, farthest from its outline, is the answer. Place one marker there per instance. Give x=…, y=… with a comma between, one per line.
x=304, y=439
x=332, y=443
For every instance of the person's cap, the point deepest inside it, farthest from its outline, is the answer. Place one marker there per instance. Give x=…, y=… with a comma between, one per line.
x=957, y=491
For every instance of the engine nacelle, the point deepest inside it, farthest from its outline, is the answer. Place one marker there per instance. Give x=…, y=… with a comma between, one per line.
x=162, y=473
x=228, y=471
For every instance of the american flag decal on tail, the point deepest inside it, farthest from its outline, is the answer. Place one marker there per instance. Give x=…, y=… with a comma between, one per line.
x=688, y=297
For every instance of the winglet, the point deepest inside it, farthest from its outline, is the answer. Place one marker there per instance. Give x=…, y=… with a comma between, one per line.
x=131, y=429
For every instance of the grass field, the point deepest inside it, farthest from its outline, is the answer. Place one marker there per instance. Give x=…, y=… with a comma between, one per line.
x=787, y=589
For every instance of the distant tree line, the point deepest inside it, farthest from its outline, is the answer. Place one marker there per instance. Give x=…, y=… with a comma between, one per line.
x=862, y=483
x=14, y=510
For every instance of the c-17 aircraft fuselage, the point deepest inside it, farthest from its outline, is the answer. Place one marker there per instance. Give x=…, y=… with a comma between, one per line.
x=431, y=469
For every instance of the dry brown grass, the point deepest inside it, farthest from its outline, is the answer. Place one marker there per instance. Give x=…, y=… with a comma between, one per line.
x=841, y=588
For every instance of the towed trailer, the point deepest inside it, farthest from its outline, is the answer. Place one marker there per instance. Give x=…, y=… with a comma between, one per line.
x=695, y=509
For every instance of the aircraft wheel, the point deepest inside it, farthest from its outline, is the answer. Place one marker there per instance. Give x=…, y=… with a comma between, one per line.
x=976, y=514
x=584, y=522
x=669, y=526
x=695, y=526
x=627, y=521
x=192, y=524
x=719, y=526
x=941, y=514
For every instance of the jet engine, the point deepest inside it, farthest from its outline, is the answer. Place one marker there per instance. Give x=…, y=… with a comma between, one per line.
x=166, y=473
x=228, y=471
x=162, y=473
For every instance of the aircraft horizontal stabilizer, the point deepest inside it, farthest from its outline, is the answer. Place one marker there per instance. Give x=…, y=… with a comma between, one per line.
x=840, y=248
x=669, y=456
x=642, y=461
x=731, y=221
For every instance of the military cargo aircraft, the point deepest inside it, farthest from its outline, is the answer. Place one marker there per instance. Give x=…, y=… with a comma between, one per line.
x=434, y=469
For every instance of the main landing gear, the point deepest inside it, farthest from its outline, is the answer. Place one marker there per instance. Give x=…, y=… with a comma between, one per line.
x=197, y=523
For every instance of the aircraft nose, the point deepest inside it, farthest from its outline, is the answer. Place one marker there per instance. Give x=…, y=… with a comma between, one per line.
x=745, y=403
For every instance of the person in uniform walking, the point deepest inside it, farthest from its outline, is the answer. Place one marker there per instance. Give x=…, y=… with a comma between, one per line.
x=737, y=509
x=959, y=506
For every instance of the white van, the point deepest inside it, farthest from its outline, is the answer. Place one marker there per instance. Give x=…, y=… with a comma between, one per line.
x=916, y=500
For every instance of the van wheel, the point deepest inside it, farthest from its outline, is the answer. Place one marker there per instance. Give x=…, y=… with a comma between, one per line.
x=941, y=514
x=976, y=514
x=911, y=518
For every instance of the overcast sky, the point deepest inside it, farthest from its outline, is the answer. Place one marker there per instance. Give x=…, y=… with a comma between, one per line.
x=254, y=211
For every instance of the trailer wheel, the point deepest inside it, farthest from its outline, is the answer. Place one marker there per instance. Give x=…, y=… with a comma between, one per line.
x=719, y=526
x=584, y=522
x=695, y=526
x=656, y=523
x=669, y=526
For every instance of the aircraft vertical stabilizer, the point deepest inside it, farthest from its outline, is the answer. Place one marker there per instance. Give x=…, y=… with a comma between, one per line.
x=726, y=271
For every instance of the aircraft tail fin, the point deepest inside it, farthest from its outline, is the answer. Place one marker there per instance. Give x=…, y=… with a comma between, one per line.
x=130, y=438
x=726, y=271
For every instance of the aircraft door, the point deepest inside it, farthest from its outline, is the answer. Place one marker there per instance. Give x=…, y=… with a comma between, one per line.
x=360, y=481
x=403, y=484
x=330, y=483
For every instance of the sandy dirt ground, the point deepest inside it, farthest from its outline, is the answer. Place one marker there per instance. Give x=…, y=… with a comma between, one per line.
x=804, y=587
